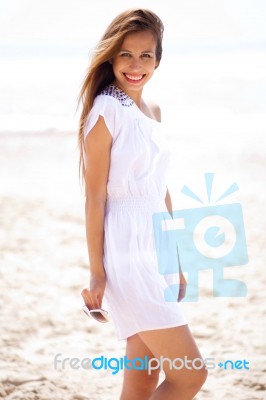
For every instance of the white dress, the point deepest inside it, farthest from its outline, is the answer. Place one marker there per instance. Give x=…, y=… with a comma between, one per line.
x=136, y=189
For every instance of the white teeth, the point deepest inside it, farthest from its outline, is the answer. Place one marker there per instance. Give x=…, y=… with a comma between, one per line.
x=134, y=78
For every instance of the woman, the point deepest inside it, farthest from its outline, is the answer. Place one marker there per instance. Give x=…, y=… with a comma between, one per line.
x=124, y=163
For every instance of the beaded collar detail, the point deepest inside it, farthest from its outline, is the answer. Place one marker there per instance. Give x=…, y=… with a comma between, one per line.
x=114, y=91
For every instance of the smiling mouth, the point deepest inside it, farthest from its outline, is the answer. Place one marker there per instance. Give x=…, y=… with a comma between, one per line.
x=134, y=78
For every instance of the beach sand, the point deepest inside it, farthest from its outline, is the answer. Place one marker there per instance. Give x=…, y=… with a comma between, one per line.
x=44, y=266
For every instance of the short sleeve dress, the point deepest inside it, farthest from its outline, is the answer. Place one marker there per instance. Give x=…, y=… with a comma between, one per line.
x=136, y=189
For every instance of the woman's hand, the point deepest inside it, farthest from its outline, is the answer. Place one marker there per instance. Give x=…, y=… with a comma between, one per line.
x=93, y=296
x=182, y=287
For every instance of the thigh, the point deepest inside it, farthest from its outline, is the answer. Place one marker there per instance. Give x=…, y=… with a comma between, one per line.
x=139, y=380
x=175, y=346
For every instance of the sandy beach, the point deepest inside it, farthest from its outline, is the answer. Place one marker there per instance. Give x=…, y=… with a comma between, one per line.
x=44, y=266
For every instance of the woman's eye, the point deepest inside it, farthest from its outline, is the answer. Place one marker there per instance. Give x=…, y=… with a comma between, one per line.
x=125, y=55
x=146, y=55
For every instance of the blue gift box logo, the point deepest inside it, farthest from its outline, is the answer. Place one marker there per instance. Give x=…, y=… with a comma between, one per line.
x=208, y=237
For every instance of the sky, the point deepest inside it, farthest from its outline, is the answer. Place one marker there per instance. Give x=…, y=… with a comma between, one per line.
x=58, y=28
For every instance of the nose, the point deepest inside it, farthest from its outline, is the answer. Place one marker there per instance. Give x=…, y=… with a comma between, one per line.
x=135, y=64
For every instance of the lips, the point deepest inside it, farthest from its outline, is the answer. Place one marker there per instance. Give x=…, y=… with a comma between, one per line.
x=134, y=78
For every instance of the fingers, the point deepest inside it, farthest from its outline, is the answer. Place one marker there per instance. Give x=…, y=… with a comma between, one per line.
x=91, y=298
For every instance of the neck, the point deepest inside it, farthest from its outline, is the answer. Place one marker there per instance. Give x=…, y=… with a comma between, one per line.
x=134, y=95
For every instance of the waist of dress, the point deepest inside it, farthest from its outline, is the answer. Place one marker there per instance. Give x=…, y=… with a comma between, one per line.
x=150, y=202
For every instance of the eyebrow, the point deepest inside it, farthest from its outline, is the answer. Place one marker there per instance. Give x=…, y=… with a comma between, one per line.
x=145, y=51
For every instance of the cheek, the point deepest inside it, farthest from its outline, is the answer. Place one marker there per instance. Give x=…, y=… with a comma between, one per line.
x=120, y=64
x=151, y=64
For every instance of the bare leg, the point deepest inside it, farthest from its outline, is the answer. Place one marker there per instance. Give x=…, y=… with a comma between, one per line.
x=138, y=384
x=172, y=343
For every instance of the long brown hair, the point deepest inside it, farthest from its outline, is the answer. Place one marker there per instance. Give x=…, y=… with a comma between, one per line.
x=100, y=71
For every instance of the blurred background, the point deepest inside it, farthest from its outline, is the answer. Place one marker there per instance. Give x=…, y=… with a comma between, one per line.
x=211, y=86
x=213, y=60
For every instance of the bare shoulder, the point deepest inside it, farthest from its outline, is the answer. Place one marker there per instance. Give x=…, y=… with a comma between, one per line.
x=154, y=110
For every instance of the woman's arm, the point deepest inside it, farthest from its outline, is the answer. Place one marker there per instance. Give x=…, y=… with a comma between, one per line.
x=97, y=148
x=182, y=279
x=168, y=203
